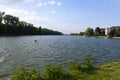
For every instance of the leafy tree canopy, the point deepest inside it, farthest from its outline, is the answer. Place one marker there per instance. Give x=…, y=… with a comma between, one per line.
x=11, y=25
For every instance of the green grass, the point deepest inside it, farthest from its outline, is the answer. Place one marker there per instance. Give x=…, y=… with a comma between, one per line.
x=101, y=36
x=110, y=71
x=76, y=71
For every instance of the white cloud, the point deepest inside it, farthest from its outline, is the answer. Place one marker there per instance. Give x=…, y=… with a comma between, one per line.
x=28, y=1
x=52, y=2
x=53, y=11
x=28, y=16
x=1, y=6
x=48, y=3
x=45, y=3
x=40, y=5
x=59, y=3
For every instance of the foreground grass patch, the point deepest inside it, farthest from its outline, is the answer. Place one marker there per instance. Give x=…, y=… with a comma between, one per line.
x=109, y=71
x=76, y=71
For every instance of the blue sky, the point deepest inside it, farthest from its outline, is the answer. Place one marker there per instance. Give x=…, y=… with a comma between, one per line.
x=66, y=16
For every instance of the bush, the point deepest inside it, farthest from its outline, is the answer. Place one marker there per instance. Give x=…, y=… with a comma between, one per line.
x=55, y=72
x=52, y=72
x=85, y=67
x=24, y=74
x=75, y=66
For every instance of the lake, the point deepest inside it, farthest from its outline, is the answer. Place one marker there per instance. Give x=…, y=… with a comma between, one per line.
x=24, y=51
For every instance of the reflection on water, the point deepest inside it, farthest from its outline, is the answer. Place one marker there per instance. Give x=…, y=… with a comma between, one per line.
x=26, y=52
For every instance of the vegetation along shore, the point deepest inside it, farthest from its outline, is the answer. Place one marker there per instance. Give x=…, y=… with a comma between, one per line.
x=112, y=32
x=75, y=71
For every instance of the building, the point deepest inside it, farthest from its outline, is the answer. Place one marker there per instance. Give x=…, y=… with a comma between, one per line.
x=111, y=30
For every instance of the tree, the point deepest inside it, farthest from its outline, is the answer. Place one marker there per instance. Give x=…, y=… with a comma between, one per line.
x=97, y=31
x=11, y=23
x=117, y=32
x=81, y=33
x=40, y=30
x=2, y=29
x=112, y=32
x=11, y=20
x=12, y=26
x=89, y=32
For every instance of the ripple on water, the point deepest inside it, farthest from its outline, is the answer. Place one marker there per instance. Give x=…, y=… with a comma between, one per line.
x=2, y=55
x=2, y=59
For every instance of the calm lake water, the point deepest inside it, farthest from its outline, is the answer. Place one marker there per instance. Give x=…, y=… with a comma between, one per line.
x=24, y=51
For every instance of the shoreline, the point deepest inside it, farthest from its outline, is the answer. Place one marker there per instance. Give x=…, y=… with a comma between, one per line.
x=116, y=37
x=107, y=37
x=107, y=71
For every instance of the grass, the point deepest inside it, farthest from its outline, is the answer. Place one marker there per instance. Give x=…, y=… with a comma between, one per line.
x=76, y=71
x=110, y=71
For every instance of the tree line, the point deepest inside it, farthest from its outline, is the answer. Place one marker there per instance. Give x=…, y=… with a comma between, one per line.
x=11, y=25
x=112, y=32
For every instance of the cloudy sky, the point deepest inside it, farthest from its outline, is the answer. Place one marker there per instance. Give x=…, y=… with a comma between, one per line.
x=65, y=15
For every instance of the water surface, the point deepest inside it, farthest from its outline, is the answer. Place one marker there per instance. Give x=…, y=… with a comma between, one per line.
x=24, y=51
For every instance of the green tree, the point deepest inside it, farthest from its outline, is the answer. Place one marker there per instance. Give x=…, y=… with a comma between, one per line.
x=40, y=30
x=117, y=32
x=97, y=31
x=2, y=29
x=81, y=33
x=89, y=32
x=11, y=20
x=12, y=26
x=111, y=33
x=11, y=23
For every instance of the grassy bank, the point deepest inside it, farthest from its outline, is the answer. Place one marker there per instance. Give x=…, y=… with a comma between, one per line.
x=75, y=71
x=110, y=71
x=107, y=37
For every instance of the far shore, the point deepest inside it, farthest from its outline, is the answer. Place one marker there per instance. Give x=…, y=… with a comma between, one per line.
x=107, y=37
x=116, y=37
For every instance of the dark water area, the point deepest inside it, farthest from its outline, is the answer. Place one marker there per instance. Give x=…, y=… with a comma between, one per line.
x=24, y=51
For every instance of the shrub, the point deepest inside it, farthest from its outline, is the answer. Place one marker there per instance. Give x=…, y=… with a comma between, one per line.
x=24, y=74
x=55, y=72
x=85, y=67
x=52, y=72
x=75, y=66
x=87, y=64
